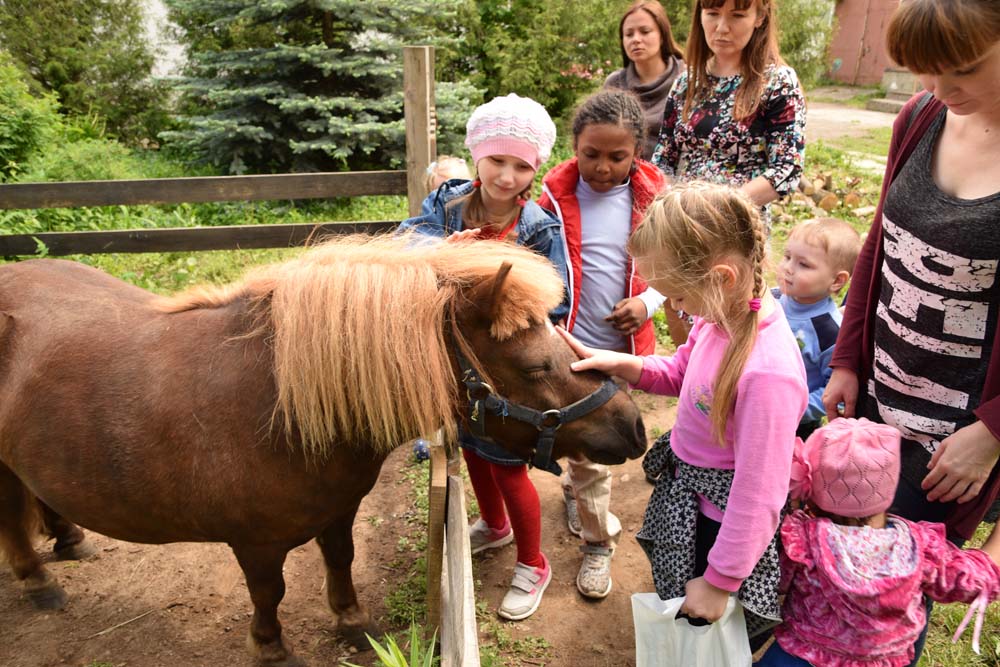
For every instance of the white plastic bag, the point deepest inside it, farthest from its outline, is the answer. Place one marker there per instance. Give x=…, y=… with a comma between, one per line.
x=662, y=640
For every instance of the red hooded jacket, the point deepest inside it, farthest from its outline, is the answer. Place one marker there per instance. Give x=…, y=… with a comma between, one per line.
x=559, y=196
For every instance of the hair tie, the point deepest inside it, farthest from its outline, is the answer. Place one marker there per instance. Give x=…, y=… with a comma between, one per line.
x=755, y=304
x=476, y=183
x=522, y=201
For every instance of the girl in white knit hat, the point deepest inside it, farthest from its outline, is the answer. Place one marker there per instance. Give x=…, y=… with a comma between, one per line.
x=509, y=138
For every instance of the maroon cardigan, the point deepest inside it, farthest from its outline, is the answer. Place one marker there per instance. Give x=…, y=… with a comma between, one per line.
x=855, y=345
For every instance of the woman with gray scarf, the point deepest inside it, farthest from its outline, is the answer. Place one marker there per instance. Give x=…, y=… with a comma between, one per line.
x=652, y=60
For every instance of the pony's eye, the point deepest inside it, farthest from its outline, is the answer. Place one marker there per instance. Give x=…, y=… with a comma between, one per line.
x=541, y=369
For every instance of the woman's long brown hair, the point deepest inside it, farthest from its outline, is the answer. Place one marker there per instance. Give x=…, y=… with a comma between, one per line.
x=759, y=53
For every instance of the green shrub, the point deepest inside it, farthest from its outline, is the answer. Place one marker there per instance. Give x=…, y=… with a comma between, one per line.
x=805, y=28
x=84, y=160
x=25, y=121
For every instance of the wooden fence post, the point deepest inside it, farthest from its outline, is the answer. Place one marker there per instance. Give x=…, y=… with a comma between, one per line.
x=418, y=110
x=437, y=510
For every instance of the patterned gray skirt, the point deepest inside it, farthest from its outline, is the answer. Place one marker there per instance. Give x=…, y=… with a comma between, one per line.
x=669, y=530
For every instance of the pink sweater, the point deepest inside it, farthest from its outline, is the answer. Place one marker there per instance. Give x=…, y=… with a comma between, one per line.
x=771, y=397
x=855, y=600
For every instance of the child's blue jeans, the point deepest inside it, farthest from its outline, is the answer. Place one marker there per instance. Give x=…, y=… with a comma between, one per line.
x=779, y=657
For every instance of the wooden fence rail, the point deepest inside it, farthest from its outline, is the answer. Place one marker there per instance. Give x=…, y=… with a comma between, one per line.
x=185, y=239
x=202, y=189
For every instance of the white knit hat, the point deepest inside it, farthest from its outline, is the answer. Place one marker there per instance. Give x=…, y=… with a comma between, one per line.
x=511, y=125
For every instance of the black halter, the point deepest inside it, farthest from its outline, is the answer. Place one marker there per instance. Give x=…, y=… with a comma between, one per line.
x=483, y=399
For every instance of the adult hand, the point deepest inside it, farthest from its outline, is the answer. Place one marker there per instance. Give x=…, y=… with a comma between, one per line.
x=842, y=388
x=704, y=600
x=628, y=315
x=625, y=366
x=462, y=236
x=962, y=463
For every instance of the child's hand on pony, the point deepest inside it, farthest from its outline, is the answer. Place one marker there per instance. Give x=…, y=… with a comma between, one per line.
x=625, y=366
x=462, y=236
x=703, y=600
x=628, y=315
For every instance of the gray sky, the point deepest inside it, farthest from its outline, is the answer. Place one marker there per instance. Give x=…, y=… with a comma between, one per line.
x=170, y=54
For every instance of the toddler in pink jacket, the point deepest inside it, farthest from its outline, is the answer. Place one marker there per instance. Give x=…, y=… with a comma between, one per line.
x=855, y=576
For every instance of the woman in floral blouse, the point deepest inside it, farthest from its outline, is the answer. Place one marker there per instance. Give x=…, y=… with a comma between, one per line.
x=737, y=115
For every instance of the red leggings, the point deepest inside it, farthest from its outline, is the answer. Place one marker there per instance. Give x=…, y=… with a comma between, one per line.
x=496, y=486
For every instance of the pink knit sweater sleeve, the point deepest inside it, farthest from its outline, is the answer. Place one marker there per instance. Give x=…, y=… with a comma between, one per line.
x=952, y=574
x=766, y=414
x=664, y=375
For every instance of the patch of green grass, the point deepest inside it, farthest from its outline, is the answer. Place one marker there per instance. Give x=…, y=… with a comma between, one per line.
x=500, y=647
x=859, y=100
x=408, y=600
x=940, y=652
x=874, y=142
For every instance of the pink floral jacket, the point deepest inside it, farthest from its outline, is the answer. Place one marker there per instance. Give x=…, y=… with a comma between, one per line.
x=854, y=595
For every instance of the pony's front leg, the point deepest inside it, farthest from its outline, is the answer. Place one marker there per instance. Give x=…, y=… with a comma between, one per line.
x=262, y=567
x=337, y=545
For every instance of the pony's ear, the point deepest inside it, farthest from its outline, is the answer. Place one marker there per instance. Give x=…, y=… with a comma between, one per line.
x=486, y=296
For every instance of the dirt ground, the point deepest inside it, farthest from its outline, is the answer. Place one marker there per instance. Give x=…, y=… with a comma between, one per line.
x=187, y=604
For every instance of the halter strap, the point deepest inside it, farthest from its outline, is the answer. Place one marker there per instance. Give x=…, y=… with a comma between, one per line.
x=483, y=398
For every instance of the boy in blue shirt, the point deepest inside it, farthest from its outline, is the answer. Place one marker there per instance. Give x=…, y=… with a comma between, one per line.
x=818, y=259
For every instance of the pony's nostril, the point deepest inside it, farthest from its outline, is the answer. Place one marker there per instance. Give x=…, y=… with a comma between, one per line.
x=640, y=433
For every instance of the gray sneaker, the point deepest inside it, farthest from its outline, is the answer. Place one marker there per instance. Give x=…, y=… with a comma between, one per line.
x=572, y=512
x=525, y=592
x=594, y=579
x=482, y=537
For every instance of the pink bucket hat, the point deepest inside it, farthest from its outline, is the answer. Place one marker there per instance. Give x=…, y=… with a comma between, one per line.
x=850, y=467
x=511, y=125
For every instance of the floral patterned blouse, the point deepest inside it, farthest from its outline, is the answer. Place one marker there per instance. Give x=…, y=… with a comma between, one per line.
x=712, y=146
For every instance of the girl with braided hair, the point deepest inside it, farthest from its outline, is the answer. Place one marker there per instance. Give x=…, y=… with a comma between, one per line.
x=710, y=529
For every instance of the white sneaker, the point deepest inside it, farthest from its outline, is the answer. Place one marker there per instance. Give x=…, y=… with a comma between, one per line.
x=573, y=522
x=482, y=537
x=525, y=592
x=594, y=579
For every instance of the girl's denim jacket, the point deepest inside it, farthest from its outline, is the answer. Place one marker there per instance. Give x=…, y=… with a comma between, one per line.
x=537, y=229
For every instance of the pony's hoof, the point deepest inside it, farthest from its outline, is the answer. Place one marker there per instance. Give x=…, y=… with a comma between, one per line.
x=82, y=550
x=273, y=654
x=47, y=597
x=357, y=635
x=288, y=661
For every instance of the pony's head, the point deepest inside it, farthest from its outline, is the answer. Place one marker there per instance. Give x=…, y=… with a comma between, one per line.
x=364, y=331
x=530, y=368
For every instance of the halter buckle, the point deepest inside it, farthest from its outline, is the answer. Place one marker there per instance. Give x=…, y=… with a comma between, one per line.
x=545, y=423
x=478, y=391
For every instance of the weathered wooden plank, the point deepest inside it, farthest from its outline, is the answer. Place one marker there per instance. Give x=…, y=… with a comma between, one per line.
x=418, y=110
x=437, y=501
x=184, y=238
x=203, y=189
x=459, y=632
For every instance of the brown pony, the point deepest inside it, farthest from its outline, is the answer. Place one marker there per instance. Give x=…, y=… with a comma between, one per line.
x=259, y=414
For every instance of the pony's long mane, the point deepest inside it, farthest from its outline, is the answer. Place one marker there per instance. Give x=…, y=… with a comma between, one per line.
x=358, y=327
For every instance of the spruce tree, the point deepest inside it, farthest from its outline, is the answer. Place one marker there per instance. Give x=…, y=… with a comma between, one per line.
x=303, y=85
x=93, y=55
